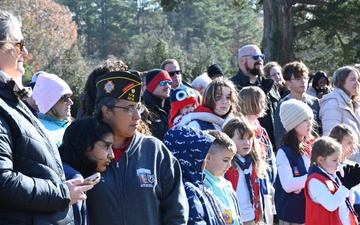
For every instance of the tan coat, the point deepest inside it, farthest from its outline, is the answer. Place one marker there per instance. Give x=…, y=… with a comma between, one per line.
x=337, y=108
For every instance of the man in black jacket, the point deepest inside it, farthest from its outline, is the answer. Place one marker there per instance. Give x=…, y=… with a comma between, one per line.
x=251, y=72
x=156, y=100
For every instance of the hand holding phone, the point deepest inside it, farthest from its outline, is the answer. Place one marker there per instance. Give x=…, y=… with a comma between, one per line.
x=93, y=179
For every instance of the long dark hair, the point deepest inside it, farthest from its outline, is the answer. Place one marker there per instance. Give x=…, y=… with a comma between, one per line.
x=79, y=138
x=292, y=141
x=88, y=96
x=317, y=77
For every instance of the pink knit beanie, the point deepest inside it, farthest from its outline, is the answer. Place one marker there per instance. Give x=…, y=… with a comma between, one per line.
x=48, y=90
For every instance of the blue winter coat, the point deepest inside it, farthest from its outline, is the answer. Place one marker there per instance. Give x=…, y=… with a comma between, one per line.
x=190, y=147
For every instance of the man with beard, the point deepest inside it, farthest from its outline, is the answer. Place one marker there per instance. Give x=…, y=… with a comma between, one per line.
x=251, y=73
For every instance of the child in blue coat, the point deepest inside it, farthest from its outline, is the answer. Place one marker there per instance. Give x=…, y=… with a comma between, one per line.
x=190, y=146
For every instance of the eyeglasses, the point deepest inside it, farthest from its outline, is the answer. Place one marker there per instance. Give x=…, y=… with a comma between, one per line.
x=298, y=79
x=105, y=146
x=65, y=98
x=165, y=82
x=172, y=73
x=132, y=109
x=19, y=44
x=256, y=56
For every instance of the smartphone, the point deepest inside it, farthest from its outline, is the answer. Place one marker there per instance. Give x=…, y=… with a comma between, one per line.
x=93, y=179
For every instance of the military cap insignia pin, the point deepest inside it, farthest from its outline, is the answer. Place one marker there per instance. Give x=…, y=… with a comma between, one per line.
x=109, y=87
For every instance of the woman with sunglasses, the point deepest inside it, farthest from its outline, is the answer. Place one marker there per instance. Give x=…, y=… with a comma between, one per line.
x=33, y=189
x=53, y=98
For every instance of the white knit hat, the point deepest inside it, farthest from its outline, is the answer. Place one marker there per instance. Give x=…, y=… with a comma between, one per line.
x=48, y=90
x=293, y=112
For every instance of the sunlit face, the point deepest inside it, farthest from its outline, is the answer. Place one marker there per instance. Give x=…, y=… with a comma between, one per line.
x=102, y=152
x=223, y=101
x=62, y=109
x=219, y=162
x=348, y=145
x=330, y=163
x=298, y=85
x=303, y=129
x=11, y=58
x=188, y=108
x=243, y=144
x=162, y=92
x=176, y=79
x=253, y=66
x=123, y=124
x=276, y=75
x=352, y=84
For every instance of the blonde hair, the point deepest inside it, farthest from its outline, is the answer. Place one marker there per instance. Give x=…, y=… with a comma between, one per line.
x=249, y=101
x=243, y=127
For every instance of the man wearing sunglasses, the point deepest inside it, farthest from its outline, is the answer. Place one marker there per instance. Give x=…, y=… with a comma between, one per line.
x=156, y=100
x=173, y=68
x=251, y=73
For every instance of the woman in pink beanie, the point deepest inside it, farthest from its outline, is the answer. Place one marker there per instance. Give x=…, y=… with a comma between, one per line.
x=53, y=98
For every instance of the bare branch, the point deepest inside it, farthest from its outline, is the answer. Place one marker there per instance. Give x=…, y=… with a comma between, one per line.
x=312, y=2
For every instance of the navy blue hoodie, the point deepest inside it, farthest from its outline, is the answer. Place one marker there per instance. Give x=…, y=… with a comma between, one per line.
x=190, y=147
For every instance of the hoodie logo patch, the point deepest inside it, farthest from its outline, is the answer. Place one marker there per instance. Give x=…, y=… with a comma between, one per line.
x=145, y=177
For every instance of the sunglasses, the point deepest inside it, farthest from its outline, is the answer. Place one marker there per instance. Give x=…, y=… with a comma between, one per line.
x=165, y=82
x=19, y=45
x=65, y=98
x=256, y=56
x=172, y=73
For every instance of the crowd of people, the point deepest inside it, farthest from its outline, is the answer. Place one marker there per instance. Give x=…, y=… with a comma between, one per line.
x=265, y=146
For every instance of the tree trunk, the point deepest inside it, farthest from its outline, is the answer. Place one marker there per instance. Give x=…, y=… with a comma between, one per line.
x=279, y=34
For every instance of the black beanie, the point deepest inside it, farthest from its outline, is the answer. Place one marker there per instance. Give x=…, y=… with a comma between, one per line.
x=214, y=69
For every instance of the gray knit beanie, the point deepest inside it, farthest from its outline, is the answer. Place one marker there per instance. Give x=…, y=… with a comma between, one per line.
x=293, y=112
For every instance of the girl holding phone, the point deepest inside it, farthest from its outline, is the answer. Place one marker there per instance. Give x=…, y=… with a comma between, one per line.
x=85, y=153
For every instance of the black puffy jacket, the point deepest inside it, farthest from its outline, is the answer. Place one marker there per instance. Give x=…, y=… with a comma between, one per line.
x=32, y=188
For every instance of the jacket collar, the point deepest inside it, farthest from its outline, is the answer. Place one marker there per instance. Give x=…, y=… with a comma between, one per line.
x=264, y=83
x=153, y=101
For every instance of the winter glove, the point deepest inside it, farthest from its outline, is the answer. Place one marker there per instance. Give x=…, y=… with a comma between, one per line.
x=341, y=175
x=356, y=172
x=351, y=176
